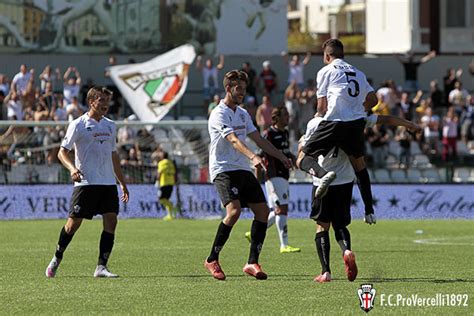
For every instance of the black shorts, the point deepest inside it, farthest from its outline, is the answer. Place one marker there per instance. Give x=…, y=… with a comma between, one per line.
x=90, y=200
x=334, y=207
x=166, y=191
x=348, y=136
x=239, y=185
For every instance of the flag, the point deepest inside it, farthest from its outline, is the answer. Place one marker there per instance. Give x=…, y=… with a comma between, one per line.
x=152, y=88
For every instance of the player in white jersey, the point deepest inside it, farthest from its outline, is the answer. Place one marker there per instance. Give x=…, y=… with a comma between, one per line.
x=229, y=125
x=334, y=208
x=344, y=91
x=95, y=171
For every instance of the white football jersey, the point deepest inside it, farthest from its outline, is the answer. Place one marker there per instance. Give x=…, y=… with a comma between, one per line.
x=93, y=143
x=345, y=88
x=222, y=156
x=336, y=160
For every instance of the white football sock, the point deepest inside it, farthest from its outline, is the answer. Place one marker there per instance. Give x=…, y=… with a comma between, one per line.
x=281, y=224
x=271, y=219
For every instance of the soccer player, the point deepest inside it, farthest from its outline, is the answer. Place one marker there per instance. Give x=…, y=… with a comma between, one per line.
x=229, y=125
x=334, y=208
x=276, y=178
x=95, y=171
x=167, y=179
x=344, y=91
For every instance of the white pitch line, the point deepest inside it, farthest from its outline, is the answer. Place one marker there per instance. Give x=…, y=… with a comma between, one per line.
x=447, y=241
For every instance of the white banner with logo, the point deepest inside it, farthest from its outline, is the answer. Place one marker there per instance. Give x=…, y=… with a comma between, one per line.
x=152, y=88
x=201, y=201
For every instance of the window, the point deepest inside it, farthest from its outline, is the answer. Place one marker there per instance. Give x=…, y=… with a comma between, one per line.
x=455, y=13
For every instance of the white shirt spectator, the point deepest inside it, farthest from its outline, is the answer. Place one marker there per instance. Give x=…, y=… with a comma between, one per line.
x=94, y=143
x=70, y=91
x=15, y=110
x=296, y=74
x=430, y=132
x=450, y=128
x=223, y=121
x=21, y=81
x=345, y=88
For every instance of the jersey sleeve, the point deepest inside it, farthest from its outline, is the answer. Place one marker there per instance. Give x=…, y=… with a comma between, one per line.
x=322, y=82
x=221, y=123
x=71, y=136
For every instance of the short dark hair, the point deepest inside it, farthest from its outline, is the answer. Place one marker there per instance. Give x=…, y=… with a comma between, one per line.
x=232, y=77
x=334, y=47
x=276, y=113
x=94, y=92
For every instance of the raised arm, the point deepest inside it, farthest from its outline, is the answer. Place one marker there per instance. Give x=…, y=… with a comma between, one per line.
x=220, y=65
x=428, y=57
x=307, y=58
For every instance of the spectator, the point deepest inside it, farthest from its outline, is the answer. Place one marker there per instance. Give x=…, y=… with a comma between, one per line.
x=250, y=105
x=467, y=122
x=59, y=112
x=115, y=103
x=292, y=94
x=264, y=113
x=458, y=97
x=47, y=76
x=436, y=96
x=307, y=102
x=388, y=94
x=4, y=86
x=406, y=107
x=74, y=109
x=21, y=80
x=296, y=68
x=430, y=124
x=378, y=139
x=450, y=134
x=210, y=77
x=381, y=108
x=404, y=138
x=252, y=75
x=449, y=80
x=411, y=69
x=72, y=84
x=126, y=134
x=213, y=104
x=14, y=107
x=41, y=112
x=48, y=96
x=269, y=79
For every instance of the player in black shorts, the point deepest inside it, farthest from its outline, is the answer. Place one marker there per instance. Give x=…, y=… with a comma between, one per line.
x=276, y=178
x=94, y=173
x=344, y=91
x=229, y=125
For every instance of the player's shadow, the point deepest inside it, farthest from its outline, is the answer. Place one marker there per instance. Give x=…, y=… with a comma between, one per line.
x=415, y=280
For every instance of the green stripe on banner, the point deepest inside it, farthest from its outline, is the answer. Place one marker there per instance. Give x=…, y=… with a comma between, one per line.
x=151, y=86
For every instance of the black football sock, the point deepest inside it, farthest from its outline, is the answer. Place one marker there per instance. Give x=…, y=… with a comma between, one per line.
x=223, y=233
x=323, y=247
x=365, y=190
x=343, y=238
x=105, y=247
x=310, y=165
x=258, y=233
x=64, y=240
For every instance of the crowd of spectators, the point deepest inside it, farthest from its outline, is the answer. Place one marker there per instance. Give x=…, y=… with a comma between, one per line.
x=445, y=111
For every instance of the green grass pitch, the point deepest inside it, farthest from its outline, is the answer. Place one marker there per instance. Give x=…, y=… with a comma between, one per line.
x=161, y=269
